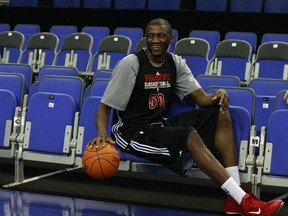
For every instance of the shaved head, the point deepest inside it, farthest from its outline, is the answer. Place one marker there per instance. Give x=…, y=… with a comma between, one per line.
x=161, y=21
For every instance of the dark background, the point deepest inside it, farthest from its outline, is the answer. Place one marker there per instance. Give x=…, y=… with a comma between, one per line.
x=184, y=20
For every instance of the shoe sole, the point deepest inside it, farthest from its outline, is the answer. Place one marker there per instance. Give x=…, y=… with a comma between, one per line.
x=282, y=204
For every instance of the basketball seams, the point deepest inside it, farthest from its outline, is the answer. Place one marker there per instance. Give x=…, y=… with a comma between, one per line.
x=103, y=163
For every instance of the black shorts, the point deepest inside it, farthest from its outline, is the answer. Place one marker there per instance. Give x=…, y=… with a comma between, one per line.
x=165, y=143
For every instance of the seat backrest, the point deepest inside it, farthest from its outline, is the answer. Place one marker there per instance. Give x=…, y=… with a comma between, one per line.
x=27, y=30
x=268, y=37
x=213, y=38
x=239, y=96
x=276, y=164
x=232, y=57
x=275, y=6
x=129, y=4
x=71, y=3
x=250, y=37
x=195, y=51
x=49, y=113
x=102, y=74
x=134, y=33
x=280, y=103
x=62, y=31
x=163, y=4
x=23, y=69
x=8, y=105
x=242, y=122
x=97, y=4
x=87, y=128
x=23, y=3
x=211, y=5
x=70, y=85
x=140, y=44
x=246, y=6
x=11, y=44
x=58, y=71
x=98, y=33
x=4, y=27
x=111, y=50
x=266, y=91
x=271, y=61
x=13, y=82
x=76, y=51
x=99, y=86
x=210, y=80
x=40, y=51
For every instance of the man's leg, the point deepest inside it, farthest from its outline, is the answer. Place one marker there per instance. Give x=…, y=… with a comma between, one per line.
x=214, y=169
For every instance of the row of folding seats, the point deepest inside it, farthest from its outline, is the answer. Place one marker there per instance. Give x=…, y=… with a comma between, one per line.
x=222, y=57
x=58, y=108
x=256, y=6
x=108, y=4
x=66, y=106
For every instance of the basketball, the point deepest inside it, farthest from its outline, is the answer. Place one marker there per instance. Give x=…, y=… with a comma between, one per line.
x=101, y=163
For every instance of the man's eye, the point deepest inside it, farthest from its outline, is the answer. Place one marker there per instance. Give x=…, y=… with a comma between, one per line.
x=162, y=35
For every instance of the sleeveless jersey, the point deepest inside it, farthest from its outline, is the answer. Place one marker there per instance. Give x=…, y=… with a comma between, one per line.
x=151, y=97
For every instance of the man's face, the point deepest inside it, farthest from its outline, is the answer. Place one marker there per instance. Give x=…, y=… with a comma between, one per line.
x=158, y=39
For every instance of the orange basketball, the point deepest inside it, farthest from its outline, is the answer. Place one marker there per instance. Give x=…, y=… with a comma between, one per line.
x=101, y=163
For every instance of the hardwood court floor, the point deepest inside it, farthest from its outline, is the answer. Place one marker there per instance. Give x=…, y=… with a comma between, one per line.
x=126, y=193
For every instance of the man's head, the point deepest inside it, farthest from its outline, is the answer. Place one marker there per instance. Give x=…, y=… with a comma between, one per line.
x=159, y=35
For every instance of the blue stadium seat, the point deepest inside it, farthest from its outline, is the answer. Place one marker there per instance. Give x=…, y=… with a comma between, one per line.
x=275, y=6
x=246, y=6
x=130, y=4
x=163, y=4
x=272, y=171
x=195, y=51
x=13, y=82
x=229, y=55
x=71, y=85
x=76, y=51
x=134, y=33
x=65, y=4
x=27, y=30
x=40, y=51
x=210, y=80
x=23, y=3
x=23, y=69
x=97, y=4
x=98, y=33
x=250, y=37
x=62, y=31
x=48, y=113
x=239, y=96
x=211, y=5
x=266, y=91
x=111, y=49
x=8, y=104
x=11, y=45
x=271, y=61
x=280, y=103
x=102, y=74
x=213, y=38
x=4, y=27
x=268, y=37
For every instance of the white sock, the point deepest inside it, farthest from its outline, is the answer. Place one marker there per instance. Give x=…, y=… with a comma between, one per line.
x=234, y=173
x=233, y=189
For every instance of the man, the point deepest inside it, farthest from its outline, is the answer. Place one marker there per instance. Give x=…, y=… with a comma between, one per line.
x=141, y=90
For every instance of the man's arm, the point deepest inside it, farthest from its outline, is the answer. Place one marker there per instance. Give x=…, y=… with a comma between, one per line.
x=102, y=119
x=201, y=98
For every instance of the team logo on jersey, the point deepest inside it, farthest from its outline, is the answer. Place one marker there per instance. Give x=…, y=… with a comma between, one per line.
x=155, y=81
